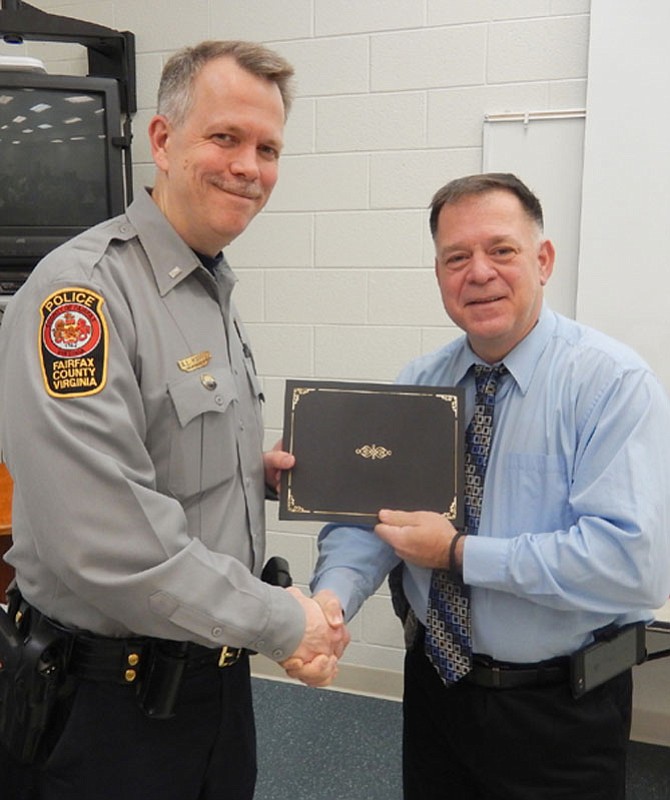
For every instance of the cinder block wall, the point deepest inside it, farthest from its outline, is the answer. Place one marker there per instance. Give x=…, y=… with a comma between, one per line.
x=336, y=275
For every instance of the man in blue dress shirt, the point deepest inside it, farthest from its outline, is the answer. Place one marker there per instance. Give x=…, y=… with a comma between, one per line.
x=574, y=533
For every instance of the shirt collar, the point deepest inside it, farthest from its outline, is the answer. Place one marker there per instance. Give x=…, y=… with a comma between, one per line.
x=171, y=259
x=211, y=264
x=522, y=361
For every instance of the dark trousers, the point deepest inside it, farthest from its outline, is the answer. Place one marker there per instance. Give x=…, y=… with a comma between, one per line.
x=539, y=743
x=105, y=748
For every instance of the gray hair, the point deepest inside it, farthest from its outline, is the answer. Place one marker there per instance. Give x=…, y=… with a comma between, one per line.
x=175, y=92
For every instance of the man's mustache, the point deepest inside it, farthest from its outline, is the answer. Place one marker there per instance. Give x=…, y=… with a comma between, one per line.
x=250, y=190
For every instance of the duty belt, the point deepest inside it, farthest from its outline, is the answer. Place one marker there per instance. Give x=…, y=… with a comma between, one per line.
x=123, y=661
x=100, y=658
x=41, y=655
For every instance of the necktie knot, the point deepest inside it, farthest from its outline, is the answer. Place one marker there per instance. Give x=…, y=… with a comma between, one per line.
x=486, y=378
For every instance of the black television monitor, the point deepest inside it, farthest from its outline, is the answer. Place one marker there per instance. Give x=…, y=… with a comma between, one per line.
x=61, y=162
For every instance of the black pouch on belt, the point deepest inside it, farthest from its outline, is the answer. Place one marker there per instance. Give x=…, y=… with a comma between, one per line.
x=614, y=651
x=159, y=687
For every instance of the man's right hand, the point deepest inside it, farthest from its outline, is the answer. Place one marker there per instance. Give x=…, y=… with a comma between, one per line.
x=324, y=641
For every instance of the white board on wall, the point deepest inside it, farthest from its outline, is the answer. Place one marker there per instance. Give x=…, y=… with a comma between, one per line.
x=545, y=150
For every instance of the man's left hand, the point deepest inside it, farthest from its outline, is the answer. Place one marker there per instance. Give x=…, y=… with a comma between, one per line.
x=275, y=461
x=420, y=537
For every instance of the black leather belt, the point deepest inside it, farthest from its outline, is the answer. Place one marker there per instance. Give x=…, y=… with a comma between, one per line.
x=493, y=674
x=101, y=658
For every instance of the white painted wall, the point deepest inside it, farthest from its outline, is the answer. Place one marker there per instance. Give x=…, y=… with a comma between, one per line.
x=624, y=274
x=336, y=274
x=624, y=280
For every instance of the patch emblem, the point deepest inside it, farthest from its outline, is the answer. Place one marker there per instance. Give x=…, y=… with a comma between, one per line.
x=73, y=343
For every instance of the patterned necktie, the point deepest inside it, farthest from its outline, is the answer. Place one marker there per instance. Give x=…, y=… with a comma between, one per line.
x=448, y=642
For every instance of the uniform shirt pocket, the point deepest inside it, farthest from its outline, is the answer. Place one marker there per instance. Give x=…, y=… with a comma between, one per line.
x=203, y=451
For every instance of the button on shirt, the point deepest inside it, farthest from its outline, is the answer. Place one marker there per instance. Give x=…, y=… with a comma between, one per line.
x=575, y=525
x=140, y=509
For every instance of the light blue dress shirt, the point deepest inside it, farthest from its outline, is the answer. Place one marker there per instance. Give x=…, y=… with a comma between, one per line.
x=575, y=525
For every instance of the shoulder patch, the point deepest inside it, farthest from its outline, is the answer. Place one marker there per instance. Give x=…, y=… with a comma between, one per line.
x=73, y=343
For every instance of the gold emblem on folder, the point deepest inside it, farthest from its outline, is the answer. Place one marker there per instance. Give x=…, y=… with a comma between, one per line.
x=373, y=451
x=195, y=361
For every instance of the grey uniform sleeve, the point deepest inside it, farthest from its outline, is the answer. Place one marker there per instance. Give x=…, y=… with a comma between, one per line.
x=97, y=544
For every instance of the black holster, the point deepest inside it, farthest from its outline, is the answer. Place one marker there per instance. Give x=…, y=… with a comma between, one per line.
x=33, y=668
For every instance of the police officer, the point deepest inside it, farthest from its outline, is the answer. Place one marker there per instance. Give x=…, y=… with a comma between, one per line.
x=131, y=424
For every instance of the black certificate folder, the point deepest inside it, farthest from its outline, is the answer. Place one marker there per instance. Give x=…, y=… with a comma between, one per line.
x=363, y=447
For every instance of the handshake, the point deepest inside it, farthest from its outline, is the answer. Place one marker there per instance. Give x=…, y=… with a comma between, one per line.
x=325, y=639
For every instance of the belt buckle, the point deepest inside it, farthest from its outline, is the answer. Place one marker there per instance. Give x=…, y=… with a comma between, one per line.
x=229, y=656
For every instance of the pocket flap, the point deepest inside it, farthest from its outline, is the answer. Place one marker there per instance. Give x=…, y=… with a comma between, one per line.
x=194, y=394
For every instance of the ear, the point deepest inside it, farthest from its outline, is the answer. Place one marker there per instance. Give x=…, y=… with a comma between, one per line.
x=545, y=257
x=159, y=134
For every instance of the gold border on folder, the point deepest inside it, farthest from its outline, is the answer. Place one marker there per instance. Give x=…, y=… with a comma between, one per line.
x=301, y=391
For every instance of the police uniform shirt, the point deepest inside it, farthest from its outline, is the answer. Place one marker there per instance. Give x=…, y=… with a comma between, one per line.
x=131, y=423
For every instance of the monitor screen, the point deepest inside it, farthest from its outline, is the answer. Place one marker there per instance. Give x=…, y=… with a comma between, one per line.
x=60, y=160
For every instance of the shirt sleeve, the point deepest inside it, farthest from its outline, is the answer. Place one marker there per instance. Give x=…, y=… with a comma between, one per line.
x=85, y=492
x=613, y=555
x=352, y=563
